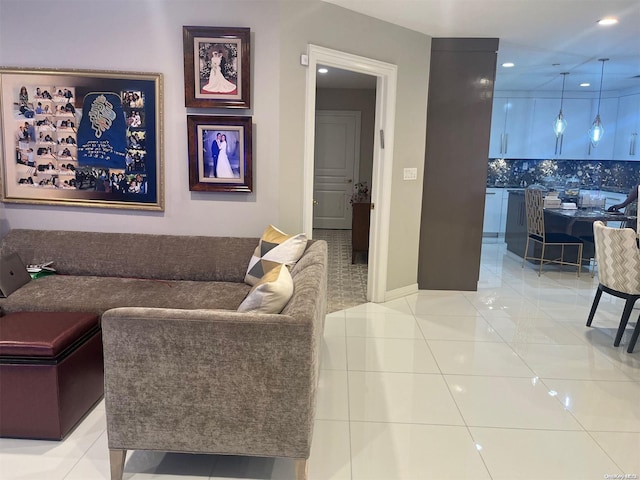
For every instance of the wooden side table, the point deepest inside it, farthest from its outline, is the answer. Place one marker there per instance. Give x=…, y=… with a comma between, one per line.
x=360, y=229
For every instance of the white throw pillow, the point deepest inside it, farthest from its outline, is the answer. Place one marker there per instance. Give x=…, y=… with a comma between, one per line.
x=275, y=247
x=271, y=293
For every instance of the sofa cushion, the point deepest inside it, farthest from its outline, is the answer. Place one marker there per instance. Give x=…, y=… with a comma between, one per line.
x=98, y=294
x=274, y=247
x=271, y=293
x=134, y=255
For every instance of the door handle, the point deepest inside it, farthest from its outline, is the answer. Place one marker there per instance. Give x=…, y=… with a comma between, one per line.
x=350, y=180
x=315, y=202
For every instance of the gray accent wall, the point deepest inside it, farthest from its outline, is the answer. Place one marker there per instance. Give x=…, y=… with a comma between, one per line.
x=458, y=126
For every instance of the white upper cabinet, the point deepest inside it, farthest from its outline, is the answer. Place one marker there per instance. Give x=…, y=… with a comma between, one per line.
x=522, y=128
x=574, y=143
x=627, y=144
x=510, y=127
x=608, y=116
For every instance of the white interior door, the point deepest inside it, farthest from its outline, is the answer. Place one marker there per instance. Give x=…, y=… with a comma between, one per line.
x=337, y=156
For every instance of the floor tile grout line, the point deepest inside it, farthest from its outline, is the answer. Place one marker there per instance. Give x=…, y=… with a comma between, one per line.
x=85, y=452
x=346, y=347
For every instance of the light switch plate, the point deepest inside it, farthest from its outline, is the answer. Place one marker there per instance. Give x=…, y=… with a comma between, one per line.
x=410, y=174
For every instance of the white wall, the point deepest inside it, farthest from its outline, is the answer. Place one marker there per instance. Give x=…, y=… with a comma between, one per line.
x=147, y=36
x=327, y=25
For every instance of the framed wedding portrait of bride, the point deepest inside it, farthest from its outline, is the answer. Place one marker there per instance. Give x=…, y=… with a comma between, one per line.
x=220, y=158
x=217, y=67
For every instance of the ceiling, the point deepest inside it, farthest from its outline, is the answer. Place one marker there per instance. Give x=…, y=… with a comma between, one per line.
x=542, y=37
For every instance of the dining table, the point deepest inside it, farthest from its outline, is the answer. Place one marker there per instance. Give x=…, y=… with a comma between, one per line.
x=579, y=223
x=581, y=218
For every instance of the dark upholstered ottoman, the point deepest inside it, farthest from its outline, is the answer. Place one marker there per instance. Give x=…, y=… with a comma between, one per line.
x=51, y=372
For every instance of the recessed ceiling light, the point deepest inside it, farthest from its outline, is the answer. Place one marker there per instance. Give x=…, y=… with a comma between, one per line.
x=323, y=70
x=508, y=64
x=585, y=84
x=607, y=21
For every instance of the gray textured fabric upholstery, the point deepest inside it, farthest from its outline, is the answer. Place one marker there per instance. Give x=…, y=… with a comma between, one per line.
x=618, y=258
x=207, y=381
x=182, y=375
x=166, y=257
x=98, y=271
x=71, y=293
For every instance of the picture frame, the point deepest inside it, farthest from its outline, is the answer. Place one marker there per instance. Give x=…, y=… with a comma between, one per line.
x=82, y=138
x=217, y=67
x=220, y=153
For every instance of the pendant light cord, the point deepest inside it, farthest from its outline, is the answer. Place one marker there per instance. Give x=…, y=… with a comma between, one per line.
x=564, y=77
x=601, y=77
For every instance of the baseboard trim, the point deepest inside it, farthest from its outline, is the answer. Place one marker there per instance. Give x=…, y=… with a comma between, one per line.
x=400, y=292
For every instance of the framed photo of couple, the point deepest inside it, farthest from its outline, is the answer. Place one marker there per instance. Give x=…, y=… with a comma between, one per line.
x=217, y=67
x=220, y=157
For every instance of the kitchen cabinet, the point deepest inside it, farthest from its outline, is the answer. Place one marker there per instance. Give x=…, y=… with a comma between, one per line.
x=492, y=212
x=495, y=212
x=510, y=127
x=627, y=144
x=522, y=128
x=516, y=229
x=574, y=143
x=609, y=117
x=503, y=216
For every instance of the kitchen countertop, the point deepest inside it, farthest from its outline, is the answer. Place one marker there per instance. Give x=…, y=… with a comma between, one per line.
x=517, y=188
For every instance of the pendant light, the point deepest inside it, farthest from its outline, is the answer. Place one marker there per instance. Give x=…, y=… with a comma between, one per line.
x=597, y=129
x=559, y=124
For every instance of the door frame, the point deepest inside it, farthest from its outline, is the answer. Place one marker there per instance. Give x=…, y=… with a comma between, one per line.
x=386, y=86
x=356, y=115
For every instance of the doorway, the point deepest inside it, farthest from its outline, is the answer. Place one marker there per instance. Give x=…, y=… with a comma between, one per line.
x=338, y=158
x=385, y=75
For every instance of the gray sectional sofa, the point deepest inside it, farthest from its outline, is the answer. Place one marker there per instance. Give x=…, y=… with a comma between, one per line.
x=184, y=371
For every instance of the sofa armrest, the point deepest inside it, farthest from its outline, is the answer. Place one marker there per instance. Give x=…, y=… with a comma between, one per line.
x=209, y=381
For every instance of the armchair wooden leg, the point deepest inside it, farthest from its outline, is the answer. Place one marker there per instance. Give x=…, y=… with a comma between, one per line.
x=628, y=306
x=116, y=463
x=594, y=306
x=302, y=469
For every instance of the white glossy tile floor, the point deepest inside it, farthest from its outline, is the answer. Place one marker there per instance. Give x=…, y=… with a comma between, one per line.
x=502, y=383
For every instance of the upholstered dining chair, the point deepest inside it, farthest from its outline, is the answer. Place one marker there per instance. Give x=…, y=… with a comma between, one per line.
x=618, y=259
x=630, y=210
x=536, y=234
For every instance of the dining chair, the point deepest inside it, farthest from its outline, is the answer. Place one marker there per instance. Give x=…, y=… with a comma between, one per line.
x=536, y=234
x=618, y=259
x=631, y=210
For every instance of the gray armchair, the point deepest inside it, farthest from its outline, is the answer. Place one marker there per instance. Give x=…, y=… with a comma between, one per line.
x=215, y=381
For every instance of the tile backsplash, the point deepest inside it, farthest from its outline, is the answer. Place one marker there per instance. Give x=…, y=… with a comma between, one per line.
x=615, y=176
